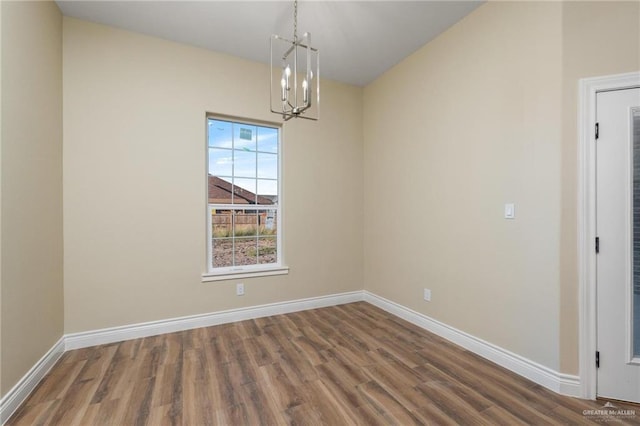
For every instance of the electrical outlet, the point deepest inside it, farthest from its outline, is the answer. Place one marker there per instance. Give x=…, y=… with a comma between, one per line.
x=239, y=289
x=427, y=295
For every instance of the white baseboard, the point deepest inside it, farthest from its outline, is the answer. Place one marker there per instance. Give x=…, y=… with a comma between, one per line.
x=135, y=331
x=19, y=393
x=570, y=385
x=560, y=383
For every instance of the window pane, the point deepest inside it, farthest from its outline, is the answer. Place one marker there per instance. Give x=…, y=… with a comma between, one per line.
x=246, y=252
x=268, y=189
x=267, y=139
x=221, y=223
x=268, y=166
x=220, y=134
x=244, y=163
x=245, y=224
x=219, y=190
x=244, y=136
x=222, y=252
x=244, y=191
x=268, y=222
x=267, y=250
x=220, y=162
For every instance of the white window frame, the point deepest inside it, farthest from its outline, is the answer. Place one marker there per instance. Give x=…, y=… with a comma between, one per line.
x=244, y=271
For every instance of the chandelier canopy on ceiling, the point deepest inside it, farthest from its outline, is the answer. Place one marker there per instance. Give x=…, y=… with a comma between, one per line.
x=292, y=85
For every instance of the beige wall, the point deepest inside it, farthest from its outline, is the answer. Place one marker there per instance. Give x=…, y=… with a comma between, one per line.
x=134, y=180
x=466, y=124
x=31, y=175
x=482, y=116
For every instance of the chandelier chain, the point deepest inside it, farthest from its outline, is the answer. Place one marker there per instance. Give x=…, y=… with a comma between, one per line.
x=295, y=20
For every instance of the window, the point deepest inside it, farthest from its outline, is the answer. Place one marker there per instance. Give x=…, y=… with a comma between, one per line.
x=243, y=198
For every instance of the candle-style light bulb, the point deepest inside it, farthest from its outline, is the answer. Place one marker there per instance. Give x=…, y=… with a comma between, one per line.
x=287, y=74
x=305, y=91
x=283, y=85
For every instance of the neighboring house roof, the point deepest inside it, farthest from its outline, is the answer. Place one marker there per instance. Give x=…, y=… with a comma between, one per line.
x=274, y=198
x=220, y=193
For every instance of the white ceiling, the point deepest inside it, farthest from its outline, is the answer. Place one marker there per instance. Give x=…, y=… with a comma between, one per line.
x=358, y=40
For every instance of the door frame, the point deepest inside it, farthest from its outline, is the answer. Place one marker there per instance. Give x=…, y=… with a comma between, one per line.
x=588, y=88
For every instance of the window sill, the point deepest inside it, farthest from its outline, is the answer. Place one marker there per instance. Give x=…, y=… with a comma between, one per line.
x=245, y=273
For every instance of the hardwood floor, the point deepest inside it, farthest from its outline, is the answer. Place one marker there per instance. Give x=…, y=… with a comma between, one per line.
x=348, y=364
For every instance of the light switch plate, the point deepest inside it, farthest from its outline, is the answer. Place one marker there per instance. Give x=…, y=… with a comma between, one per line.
x=509, y=211
x=427, y=295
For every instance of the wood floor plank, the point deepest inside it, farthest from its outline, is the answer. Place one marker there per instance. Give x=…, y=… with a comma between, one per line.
x=110, y=412
x=498, y=416
x=351, y=354
x=281, y=392
x=259, y=354
x=391, y=409
x=352, y=364
x=435, y=415
x=75, y=402
x=248, y=329
x=58, y=382
x=35, y=414
x=369, y=416
x=340, y=381
x=322, y=404
x=138, y=405
x=159, y=415
x=258, y=406
x=447, y=398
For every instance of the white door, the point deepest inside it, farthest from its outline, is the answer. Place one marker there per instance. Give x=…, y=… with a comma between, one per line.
x=618, y=222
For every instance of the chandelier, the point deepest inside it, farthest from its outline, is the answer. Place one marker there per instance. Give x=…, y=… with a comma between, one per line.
x=292, y=85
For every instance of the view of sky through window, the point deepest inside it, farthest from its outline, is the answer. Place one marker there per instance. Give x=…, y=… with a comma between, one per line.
x=244, y=155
